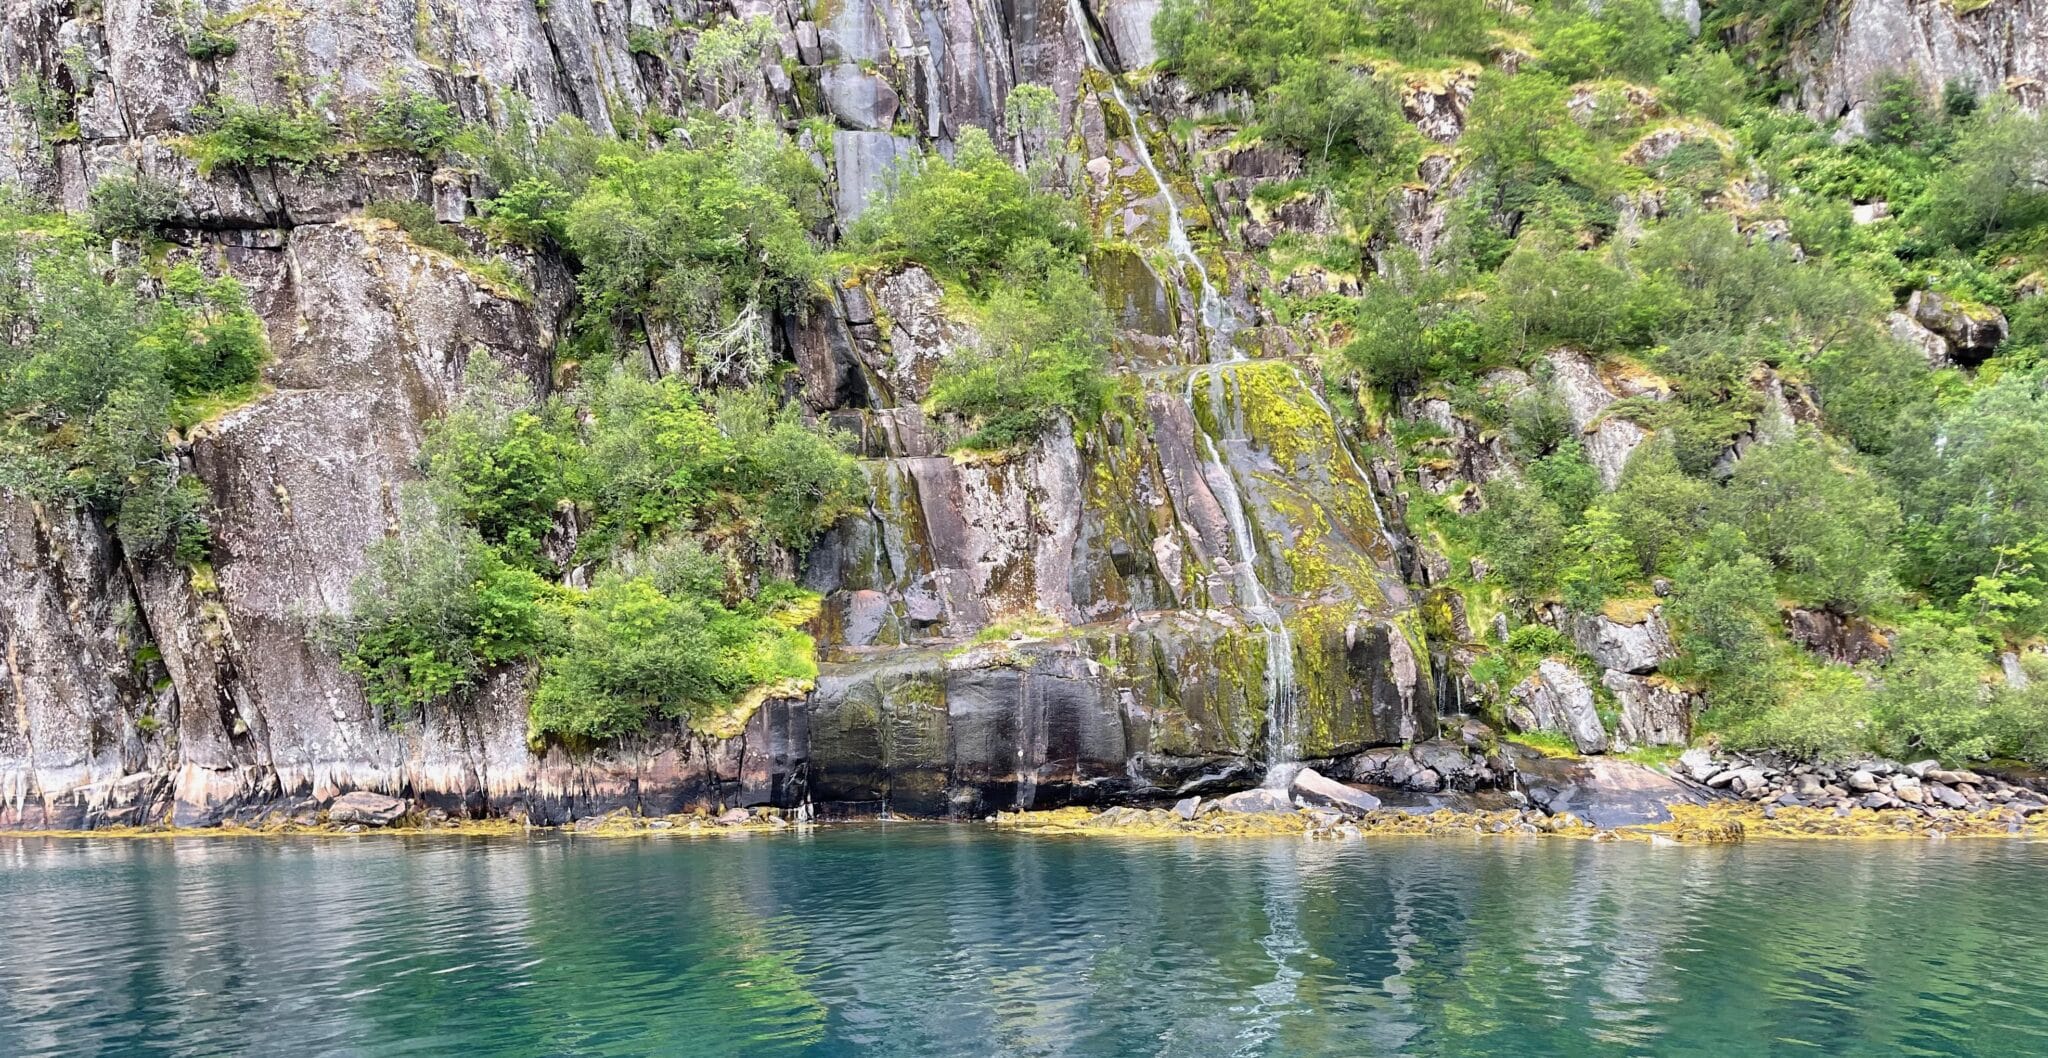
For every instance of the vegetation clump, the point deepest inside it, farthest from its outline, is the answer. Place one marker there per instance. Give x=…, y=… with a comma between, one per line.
x=1017, y=251
x=100, y=363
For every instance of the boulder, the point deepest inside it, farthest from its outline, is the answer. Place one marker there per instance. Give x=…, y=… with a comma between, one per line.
x=1945, y=796
x=1312, y=787
x=1608, y=441
x=1604, y=791
x=1910, y=331
x=1973, y=332
x=1635, y=645
x=1556, y=699
x=1252, y=802
x=1654, y=711
x=368, y=809
x=1847, y=640
x=1908, y=789
x=1188, y=807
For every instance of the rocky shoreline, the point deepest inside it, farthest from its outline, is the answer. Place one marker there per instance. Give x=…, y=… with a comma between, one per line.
x=1923, y=787
x=1702, y=798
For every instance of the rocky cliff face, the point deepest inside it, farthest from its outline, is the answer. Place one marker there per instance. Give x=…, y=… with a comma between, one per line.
x=2001, y=46
x=1069, y=625
x=1211, y=576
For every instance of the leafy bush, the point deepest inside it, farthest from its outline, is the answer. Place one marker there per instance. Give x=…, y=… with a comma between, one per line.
x=1973, y=481
x=418, y=222
x=1825, y=714
x=1932, y=699
x=1626, y=38
x=133, y=204
x=1524, y=533
x=705, y=243
x=1320, y=107
x=412, y=121
x=796, y=480
x=1042, y=353
x=1412, y=325
x=655, y=456
x=434, y=611
x=1725, y=619
x=530, y=213
x=1826, y=525
x=501, y=465
x=97, y=367
x=633, y=653
x=974, y=218
x=240, y=134
x=205, y=44
x=1659, y=509
x=664, y=630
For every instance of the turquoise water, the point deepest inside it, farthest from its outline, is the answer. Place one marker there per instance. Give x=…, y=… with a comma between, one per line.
x=954, y=940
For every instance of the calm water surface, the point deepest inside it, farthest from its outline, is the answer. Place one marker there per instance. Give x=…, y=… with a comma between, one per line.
x=953, y=940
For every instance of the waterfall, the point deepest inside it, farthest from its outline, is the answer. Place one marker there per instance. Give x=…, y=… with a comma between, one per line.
x=1283, y=738
x=1219, y=318
x=1221, y=323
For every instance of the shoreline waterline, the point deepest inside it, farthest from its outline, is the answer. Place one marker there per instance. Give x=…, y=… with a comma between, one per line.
x=1689, y=824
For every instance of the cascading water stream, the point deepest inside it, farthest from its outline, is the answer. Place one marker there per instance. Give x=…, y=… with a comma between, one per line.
x=1283, y=740
x=1219, y=319
x=1221, y=324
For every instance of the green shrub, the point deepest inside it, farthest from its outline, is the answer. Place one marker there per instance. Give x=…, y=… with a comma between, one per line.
x=208, y=41
x=1825, y=715
x=1524, y=534
x=132, y=203
x=633, y=653
x=411, y=121
x=973, y=218
x=655, y=457
x=530, y=213
x=240, y=134
x=796, y=481
x=1932, y=699
x=1724, y=615
x=1973, y=479
x=501, y=465
x=434, y=611
x=1043, y=353
x=1658, y=509
x=420, y=225
x=98, y=366
x=1823, y=521
x=1412, y=325
x=1322, y=107
x=706, y=243
x=1631, y=39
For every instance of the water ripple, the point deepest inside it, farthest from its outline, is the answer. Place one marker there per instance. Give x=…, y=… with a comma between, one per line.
x=932, y=940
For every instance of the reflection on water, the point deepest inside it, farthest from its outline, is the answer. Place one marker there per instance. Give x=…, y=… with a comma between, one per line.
x=953, y=940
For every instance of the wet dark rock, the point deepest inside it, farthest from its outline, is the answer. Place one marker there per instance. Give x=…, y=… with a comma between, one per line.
x=1972, y=332
x=369, y=809
x=1602, y=791
x=1848, y=640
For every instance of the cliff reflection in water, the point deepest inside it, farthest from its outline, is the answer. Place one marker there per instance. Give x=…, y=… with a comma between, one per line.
x=949, y=940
